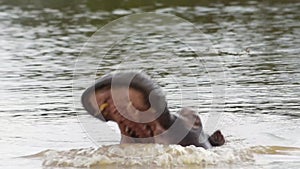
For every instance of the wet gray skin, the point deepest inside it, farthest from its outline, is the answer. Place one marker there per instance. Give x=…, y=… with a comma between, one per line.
x=138, y=106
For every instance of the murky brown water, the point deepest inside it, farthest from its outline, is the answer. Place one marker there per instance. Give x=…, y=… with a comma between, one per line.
x=249, y=52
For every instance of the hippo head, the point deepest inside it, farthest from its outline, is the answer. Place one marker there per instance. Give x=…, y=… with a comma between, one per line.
x=139, y=107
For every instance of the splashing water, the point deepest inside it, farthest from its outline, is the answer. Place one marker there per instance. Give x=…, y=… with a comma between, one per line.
x=161, y=156
x=131, y=155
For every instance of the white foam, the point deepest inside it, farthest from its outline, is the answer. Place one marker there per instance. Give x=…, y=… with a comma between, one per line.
x=145, y=155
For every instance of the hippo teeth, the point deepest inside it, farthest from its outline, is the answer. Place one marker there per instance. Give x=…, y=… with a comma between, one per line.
x=131, y=132
x=126, y=129
x=131, y=129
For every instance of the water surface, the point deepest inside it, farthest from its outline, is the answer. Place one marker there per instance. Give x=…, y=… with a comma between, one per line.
x=251, y=48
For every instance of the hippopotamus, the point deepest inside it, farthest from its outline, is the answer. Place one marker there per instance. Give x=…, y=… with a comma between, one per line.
x=139, y=107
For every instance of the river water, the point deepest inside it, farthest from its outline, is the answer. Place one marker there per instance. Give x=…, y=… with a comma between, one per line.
x=236, y=63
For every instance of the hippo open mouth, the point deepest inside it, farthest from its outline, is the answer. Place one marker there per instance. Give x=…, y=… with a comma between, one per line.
x=129, y=109
x=138, y=106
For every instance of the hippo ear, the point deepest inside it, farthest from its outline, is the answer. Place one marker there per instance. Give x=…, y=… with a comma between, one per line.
x=191, y=118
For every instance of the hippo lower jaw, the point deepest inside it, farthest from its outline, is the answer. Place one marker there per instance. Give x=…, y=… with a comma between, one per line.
x=135, y=108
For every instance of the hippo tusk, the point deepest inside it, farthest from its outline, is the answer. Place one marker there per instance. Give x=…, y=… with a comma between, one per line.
x=103, y=106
